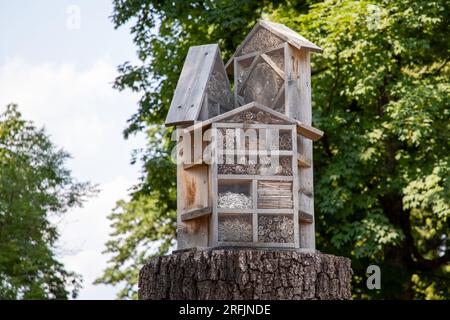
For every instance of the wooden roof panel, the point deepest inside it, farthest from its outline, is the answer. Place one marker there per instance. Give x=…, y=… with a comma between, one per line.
x=302, y=129
x=280, y=31
x=290, y=35
x=190, y=90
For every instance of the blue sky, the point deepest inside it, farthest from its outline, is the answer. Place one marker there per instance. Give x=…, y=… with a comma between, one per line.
x=38, y=31
x=60, y=74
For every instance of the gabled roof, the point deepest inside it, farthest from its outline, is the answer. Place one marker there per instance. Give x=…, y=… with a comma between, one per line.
x=290, y=36
x=281, y=34
x=193, y=82
x=303, y=129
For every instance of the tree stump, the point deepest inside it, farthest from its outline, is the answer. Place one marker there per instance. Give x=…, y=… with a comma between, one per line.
x=245, y=274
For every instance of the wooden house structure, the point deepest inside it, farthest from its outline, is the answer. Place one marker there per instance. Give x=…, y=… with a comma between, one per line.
x=244, y=169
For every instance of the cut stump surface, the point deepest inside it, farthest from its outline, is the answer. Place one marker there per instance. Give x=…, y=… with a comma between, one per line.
x=245, y=274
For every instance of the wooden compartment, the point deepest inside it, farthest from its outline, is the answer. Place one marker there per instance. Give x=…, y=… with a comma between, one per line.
x=275, y=165
x=235, y=228
x=285, y=140
x=234, y=194
x=261, y=84
x=275, y=195
x=194, y=182
x=275, y=228
x=275, y=139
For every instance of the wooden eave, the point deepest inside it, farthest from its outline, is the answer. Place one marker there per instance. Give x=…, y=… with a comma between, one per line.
x=284, y=33
x=302, y=129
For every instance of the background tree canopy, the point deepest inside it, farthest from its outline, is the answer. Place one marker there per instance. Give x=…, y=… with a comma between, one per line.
x=381, y=93
x=34, y=185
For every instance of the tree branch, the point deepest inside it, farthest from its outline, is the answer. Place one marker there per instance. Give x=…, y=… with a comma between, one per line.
x=318, y=71
x=326, y=145
x=425, y=265
x=438, y=70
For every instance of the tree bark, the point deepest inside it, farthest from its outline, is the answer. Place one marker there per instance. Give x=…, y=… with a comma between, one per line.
x=250, y=274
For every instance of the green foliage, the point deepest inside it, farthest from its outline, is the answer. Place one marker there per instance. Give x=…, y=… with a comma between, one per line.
x=34, y=185
x=381, y=94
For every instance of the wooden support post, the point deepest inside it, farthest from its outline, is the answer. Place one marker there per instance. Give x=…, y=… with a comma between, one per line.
x=298, y=106
x=214, y=221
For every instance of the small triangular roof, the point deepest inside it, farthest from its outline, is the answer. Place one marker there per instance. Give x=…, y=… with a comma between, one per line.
x=290, y=36
x=303, y=129
x=189, y=94
x=283, y=33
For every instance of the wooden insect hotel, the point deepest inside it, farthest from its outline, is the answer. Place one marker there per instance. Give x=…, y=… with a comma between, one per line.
x=244, y=153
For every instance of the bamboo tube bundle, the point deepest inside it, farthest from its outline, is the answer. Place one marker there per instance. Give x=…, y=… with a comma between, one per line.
x=275, y=229
x=275, y=195
x=226, y=168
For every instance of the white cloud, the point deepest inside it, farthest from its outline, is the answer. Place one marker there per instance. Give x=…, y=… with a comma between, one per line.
x=84, y=233
x=85, y=116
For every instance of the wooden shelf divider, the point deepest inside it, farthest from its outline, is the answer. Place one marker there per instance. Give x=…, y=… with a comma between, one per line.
x=196, y=213
x=305, y=217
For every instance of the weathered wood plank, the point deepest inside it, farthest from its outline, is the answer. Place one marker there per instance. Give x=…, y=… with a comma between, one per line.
x=273, y=65
x=196, y=213
x=250, y=177
x=295, y=187
x=276, y=211
x=303, y=161
x=221, y=117
x=302, y=128
x=257, y=53
x=195, y=186
x=279, y=96
x=253, y=125
x=304, y=115
x=189, y=94
x=308, y=131
x=237, y=70
x=241, y=85
x=255, y=212
x=234, y=211
x=305, y=217
x=190, y=233
x=290, y=35
x=193, y=165
x=214, y=221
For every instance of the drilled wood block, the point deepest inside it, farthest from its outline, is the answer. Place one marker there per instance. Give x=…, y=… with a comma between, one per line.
x=275, y=229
